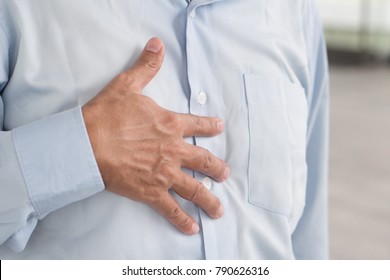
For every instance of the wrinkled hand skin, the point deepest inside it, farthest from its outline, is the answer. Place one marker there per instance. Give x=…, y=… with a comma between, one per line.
x=139, y=146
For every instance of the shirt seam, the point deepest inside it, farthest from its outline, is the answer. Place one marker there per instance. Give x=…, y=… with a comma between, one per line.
x=97, y=180
x=14, y=137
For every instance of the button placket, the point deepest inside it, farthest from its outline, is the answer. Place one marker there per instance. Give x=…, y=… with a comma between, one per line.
x=200, y=86
x=193, y=14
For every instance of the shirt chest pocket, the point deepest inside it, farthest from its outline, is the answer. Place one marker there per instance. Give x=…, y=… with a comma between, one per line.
x=277, y=117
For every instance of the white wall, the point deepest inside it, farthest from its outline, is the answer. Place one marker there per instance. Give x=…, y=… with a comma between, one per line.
x=346, y=14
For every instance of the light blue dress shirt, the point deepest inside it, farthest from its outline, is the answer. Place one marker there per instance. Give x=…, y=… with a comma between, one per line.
x=258, y=64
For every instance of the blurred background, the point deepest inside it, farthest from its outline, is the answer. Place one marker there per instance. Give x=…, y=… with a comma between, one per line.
x=358, y=39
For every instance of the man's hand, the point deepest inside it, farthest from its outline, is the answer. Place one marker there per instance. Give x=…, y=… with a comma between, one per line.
x=139, y=146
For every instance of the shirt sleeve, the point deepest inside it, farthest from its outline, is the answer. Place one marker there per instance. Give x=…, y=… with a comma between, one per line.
x=310, y=238
x=44, y=165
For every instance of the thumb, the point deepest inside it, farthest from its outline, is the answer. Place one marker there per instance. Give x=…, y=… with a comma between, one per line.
x=147, y=65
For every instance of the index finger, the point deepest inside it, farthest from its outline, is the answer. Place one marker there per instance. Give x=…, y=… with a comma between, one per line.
x=194, y=125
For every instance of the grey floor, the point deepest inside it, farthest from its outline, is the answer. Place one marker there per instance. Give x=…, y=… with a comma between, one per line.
x=359, y=196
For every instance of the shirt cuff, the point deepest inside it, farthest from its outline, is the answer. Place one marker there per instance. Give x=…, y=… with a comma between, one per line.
x=57, y=161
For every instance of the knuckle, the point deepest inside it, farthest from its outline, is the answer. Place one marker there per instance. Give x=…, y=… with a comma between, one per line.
x=175, y=121
x=167, y=171
x=123, y=81
x=197, y=192
x=149, y=62
x=185, y=223
x=207, y=162
x=171, y=123
x=170, y=149
x=162, y=181
x=165, y=176
x=153, y=196
x=152, y=65
x=174, y=213
x=197, y=124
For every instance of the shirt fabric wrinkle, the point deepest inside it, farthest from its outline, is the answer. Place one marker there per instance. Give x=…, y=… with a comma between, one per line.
x=263, y=71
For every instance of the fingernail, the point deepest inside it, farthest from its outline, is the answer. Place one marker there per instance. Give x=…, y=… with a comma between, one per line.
x=221, y=211
x=226, y=173
x=220, y=126
x=194, y=228
x=154, y=45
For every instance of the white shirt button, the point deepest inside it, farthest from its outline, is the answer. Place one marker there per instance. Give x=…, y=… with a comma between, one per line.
x=193, y=14
x=207, y=182
x=202, y=98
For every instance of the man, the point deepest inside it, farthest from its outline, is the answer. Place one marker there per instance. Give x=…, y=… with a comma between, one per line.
x=218, y=126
